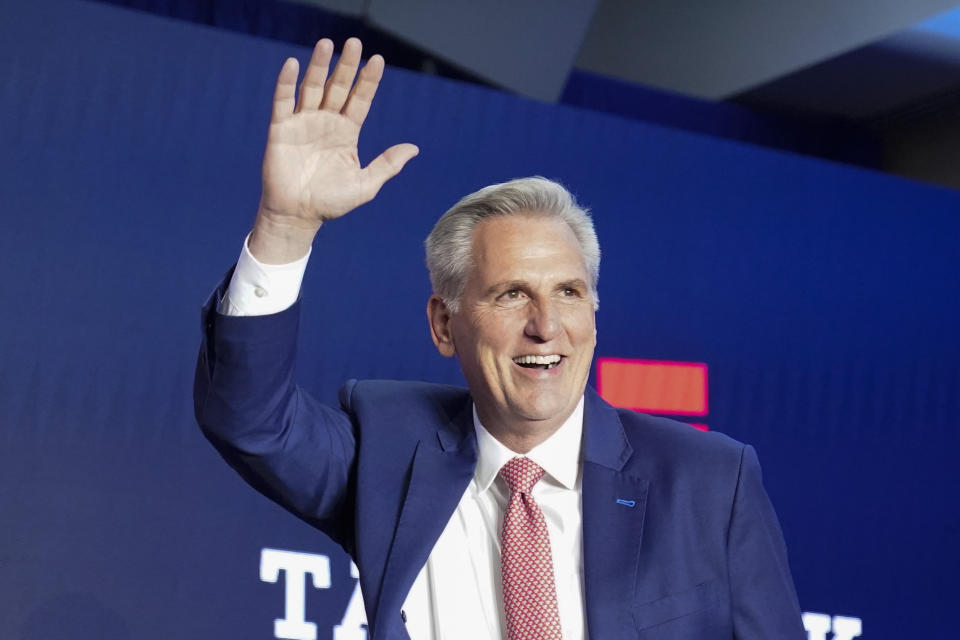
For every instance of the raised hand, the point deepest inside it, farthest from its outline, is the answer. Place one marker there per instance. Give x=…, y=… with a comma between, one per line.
x=311, y=169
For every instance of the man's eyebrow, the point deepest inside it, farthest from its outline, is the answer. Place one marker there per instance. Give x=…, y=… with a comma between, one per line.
x=574, y=283
x=506, y=285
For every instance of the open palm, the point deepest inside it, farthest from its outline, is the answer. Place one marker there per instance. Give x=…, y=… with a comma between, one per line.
x=311, y=170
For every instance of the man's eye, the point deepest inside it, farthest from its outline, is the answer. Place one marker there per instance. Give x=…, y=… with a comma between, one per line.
x=512, y=294
x=570, y=292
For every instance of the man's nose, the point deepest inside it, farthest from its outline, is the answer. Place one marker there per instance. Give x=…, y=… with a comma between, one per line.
x=543, y=323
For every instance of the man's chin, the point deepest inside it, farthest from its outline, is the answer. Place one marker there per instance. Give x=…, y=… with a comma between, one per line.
x=541, y=413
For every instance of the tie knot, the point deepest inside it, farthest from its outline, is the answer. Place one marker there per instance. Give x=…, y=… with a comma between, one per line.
x=521, y=474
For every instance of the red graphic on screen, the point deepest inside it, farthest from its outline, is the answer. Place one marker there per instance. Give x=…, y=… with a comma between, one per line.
x=654, y=386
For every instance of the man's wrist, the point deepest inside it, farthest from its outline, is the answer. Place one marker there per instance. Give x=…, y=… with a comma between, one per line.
x=272, y=242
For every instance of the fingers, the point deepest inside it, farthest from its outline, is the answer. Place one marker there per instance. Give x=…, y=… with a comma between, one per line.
x=339, y=93
x=311, y=89
x=358, y=102
x=386, y=165
x=283, y=100
x=338, y=87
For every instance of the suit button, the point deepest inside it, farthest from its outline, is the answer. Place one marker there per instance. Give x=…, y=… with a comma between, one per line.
x=403, y=616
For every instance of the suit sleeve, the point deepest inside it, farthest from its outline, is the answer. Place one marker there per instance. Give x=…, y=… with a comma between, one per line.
x=293, y=449
x=764, y=601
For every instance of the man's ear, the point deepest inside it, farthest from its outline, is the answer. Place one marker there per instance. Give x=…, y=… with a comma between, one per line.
x=439, y=318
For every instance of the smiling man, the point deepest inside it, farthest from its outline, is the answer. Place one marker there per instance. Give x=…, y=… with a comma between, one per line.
x=523, y=507
x=521, y=320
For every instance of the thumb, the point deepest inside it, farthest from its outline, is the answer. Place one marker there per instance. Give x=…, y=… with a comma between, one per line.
x=388, y=164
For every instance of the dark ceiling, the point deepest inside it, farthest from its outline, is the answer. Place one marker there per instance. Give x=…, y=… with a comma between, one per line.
x=869, y=82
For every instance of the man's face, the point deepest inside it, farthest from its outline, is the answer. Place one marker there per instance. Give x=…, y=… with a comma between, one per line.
x=525, y=331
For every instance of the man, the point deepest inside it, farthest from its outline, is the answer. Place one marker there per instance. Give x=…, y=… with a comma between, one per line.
x=524, y=508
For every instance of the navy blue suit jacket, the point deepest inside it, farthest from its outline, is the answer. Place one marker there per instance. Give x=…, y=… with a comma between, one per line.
x=679, y=538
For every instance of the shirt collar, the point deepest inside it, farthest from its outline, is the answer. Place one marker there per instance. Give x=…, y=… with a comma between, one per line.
x=558, y=455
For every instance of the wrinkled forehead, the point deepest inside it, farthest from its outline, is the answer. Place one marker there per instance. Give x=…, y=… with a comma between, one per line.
x=526, y=243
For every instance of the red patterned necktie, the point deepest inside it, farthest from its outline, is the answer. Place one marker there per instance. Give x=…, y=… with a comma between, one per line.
x=529, y=591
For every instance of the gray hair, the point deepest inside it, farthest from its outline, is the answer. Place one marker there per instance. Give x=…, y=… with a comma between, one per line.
x=449, y=245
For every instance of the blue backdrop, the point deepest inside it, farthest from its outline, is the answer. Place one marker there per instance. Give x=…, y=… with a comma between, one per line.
x=823, y=299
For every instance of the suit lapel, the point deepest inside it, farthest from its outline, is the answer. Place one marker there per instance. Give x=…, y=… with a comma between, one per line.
x=439, y=474
x=614, y=504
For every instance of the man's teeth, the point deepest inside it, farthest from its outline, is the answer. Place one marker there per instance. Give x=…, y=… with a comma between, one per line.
x=546, y=361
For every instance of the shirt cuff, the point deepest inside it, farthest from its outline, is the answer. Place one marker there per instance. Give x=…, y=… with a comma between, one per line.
x=258, y=289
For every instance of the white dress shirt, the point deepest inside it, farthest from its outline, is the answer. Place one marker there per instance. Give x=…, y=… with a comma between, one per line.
x=457, y=594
